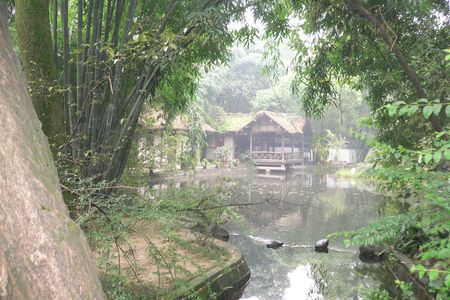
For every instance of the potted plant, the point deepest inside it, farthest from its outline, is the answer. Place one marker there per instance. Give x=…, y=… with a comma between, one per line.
x=205, y=163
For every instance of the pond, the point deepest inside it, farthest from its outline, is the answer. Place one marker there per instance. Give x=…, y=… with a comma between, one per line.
x=299, y=210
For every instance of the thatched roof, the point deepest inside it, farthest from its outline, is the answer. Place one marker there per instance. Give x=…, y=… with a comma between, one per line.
x=229, y=122
x=233, y=122
x=292, y=123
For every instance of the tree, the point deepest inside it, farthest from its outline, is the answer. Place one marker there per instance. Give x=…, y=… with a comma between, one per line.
x=391, y=49
x=234, y=86
x=35, y=43
x=43, y=254
x=128, y=53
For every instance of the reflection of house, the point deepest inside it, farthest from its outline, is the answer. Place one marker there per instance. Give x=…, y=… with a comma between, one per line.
x=269, y=138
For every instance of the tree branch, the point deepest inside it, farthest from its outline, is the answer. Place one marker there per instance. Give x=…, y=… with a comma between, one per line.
x=410, y=73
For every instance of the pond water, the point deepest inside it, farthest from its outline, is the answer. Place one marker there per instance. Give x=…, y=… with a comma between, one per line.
x=298, y=211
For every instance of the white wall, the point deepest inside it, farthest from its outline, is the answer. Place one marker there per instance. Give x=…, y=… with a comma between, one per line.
x=342, y=155
x=228, y=142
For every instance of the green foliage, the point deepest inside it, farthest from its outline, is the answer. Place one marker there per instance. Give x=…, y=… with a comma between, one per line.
x=346, y=121
x=321, y=148
x=381, y=294
x=234, y=86
x=245, y=158
x=117, y=286
x=428, y=108
x=376, y=294
x=111, y=221
x=417, y=178
x=348, y=46
x=205, y=163
x=322, y=144
x=278, y=97
x=222, y=154
x=234, y=162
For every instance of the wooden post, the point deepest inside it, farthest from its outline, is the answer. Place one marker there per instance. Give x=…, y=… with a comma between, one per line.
x=292, y=143
x=251, y=141
x=302, y=150
x=282, y=145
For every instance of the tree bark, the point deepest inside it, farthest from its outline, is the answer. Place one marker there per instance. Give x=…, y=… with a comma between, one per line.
x=35, y=43
x=410, y=73
x=43, y=254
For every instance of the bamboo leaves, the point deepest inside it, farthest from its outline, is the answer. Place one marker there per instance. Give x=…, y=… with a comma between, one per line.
x=125, y=51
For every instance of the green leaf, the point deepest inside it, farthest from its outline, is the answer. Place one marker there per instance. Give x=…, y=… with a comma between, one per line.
x=433, y=275
x=427, y=158
x=412, y=110
x=392, y=110
x=422, y=100
x=403, y=110
x=437, y=156
x=437, y=109
x=447, y=111
x=447, y=154
x=427, y=111
x=447, y=281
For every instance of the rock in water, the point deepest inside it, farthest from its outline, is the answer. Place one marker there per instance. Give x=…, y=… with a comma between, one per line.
x=371, y=254
x=274, y=245
x=322, y=246
x=220, y=233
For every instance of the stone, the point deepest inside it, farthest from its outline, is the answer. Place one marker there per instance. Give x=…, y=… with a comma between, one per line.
x=371, y=254
x=220, y=233
x=274, y=245
x=321, y=245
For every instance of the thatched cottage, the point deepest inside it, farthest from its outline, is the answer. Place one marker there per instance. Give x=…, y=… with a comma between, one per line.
x=268, y=138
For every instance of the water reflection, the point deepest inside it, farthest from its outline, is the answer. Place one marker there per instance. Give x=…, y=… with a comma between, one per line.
x=302, y=284
x=299, y=211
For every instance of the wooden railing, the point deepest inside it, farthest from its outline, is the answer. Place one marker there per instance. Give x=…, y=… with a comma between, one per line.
x=292, y=156
x=264, y=155
x=277, y=156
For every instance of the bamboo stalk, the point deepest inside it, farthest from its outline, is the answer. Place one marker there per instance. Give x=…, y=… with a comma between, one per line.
x=110, y=114
x=79, y=89
x=66, y=64
x=55, y=30
x=117, y=22
x=97, y=60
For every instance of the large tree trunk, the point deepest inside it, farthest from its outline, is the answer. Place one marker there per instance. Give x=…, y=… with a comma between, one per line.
x=35, y=44
x=43, y=254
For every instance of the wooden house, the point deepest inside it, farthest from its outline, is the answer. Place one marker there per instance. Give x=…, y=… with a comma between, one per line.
x=161, y=143
x=272, y=140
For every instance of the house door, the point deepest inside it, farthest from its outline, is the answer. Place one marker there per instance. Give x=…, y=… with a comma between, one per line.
x=242, y=144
